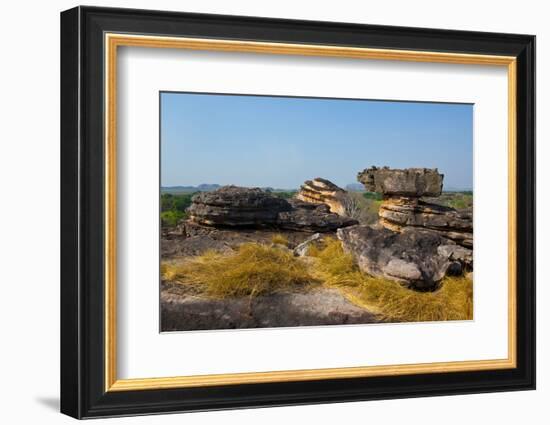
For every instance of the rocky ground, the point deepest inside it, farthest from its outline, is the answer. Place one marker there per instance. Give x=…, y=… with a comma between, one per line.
x=191, y=239
x=415, y=243
x=185, y=309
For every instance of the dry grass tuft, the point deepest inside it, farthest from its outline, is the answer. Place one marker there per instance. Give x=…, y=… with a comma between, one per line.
x=252, y=270
x=279, y=239
x=452, y=301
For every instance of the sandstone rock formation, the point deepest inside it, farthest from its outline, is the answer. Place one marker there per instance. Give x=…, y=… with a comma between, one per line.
x=236, y=206
x=408, y=182
x=399, y=213
x=304, y=216
x=232, y=206
x=414, y=257
x=403, y=208
x=322, y=191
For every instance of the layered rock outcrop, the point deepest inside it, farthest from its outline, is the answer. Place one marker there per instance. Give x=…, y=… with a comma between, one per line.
x=402, y=207
x=238, y=206
x=415, y=243
x=322, y=191
x=308, y=217
x=397, y=214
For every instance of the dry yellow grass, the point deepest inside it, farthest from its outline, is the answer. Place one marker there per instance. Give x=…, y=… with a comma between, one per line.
x=452, y=301
x=279, y=239
x=257, y=269
x=252, y=270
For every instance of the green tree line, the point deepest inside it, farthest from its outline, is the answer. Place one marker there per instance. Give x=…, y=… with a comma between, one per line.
x=173, y=208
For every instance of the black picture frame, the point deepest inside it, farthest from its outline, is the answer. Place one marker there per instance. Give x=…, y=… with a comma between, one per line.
x=83, y=392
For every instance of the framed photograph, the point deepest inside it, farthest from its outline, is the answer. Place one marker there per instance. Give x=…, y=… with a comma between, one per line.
x=261, y=212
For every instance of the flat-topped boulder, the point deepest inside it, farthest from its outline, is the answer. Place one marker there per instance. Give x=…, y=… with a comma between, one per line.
x=409, y=182
x=232, y=206
x=322, y=191
x=236, y=206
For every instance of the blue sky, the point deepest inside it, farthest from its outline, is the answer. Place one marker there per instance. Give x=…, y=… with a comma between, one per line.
x=280, y=141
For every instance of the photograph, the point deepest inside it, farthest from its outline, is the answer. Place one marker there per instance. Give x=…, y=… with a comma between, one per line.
x=284, y=211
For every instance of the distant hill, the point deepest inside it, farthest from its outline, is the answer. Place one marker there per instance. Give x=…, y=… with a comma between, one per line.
x=208, y=187
x=204, y=187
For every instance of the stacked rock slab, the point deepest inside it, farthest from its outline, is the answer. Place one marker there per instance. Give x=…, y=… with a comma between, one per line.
x=234, y=206
x=322, y=191
x=403, y=208
x=415, y=243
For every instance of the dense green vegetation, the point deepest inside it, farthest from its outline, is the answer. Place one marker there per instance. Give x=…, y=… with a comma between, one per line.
x=173, y=208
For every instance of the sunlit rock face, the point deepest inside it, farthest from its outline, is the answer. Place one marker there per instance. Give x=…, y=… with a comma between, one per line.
x=397, y=214
x=402, y=207
x=322, y=191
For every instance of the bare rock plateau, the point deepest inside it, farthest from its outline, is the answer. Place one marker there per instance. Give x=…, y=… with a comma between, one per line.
x=317, y=306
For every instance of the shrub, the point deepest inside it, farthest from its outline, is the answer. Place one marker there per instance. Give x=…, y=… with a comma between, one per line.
x=175, y=202
x=362, y=207
x=173, y=208
x=171, y=218
x=373, y=195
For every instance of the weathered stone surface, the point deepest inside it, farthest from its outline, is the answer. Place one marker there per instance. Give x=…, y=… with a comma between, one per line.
x=312, y=218
x=319, y=306
x=399, y=213
x=410, y=257
x=414, y=182
x=188, y=242
x=302, y=249
x=322, y=191
x=236, y=206
x=402, y=207
x=457, y=253
x=195, y=245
